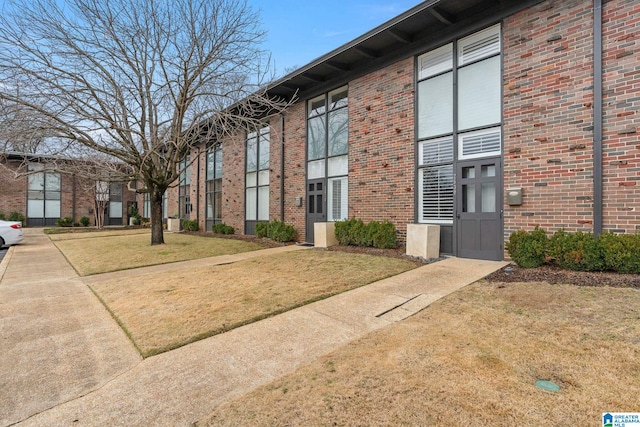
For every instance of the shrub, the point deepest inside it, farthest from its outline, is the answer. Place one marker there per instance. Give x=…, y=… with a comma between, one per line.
x=528, y=249
x=2, y=217
x=85, y=221
x=356, y=233
x=344, y=231
x=276, y=230
x=190, y=225
x=383, y=235
x=223, y=229
x=262, y=229
x=621, y=252
x=577, y=251
x=16, y=216
x=64, y=222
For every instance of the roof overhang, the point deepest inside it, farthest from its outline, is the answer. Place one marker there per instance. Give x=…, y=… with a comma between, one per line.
x=421, y=28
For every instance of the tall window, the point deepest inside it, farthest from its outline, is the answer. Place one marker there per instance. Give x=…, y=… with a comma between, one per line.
x=257, y=175
x=328, y=148
x=459, y=115
x=115, y=203
x=184, y=200
x=214, y=186
x=44, y=194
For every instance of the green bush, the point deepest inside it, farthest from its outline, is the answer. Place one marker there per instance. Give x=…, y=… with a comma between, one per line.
x=223, y=229
x=2, y=217
x=577, y=251
x=356, y=233
x=344, y=231
x=190, y=225
x=383, y=235
x=621, y=252
x=276, y=230
x=528, y=249
x=64, y=222
x=262, y=229
x=85, y=221
x=16, y=216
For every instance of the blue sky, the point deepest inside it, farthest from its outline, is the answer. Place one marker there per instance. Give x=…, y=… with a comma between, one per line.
x=300, y=31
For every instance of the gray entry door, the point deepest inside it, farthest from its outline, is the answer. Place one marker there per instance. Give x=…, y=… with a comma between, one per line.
x=316, y=201
x=479, y=209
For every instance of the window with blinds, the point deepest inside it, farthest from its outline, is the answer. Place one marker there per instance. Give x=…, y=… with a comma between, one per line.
x=484, y=143
x=459, y=113
x=436, y=193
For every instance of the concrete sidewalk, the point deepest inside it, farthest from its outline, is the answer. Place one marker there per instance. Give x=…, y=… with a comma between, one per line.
x=184, y=385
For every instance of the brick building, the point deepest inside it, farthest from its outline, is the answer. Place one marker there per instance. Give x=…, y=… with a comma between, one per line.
x=44, y=195
x=481, y=116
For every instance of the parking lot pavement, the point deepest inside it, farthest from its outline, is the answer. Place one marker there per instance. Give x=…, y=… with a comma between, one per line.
x=3, y=251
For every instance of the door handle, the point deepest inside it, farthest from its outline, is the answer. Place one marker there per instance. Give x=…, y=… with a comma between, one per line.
x=457, y=216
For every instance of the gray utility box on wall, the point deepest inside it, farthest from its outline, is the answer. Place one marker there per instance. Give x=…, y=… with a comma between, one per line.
x=514, y=196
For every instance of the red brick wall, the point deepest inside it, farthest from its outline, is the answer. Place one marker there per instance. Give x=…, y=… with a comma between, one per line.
x=548, y=110
x=233, y=157
x=621, y=108
x=294, y=175
x=13, y=191
x=381, y=145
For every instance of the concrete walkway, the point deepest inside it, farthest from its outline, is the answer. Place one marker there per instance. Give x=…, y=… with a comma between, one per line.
x=64, y=361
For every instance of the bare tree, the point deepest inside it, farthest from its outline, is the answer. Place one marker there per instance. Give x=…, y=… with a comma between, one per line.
x=139, y=81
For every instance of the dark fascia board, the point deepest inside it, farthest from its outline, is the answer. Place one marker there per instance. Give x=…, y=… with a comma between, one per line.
x=477, y=19
x=354, y=43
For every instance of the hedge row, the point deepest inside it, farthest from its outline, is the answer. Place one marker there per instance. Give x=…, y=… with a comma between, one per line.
x=576, y=251
x=356, y=233
x=276, y=230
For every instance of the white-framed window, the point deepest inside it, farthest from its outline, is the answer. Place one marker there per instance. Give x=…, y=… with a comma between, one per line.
x=456, y=121
x=257, y=175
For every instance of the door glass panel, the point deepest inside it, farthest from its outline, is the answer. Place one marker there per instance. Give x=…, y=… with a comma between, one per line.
x=488, y=197
x=468, y=198
x=311, y=187
x=312, y=204
x=319, y=186
x=488, y=171
x=319, y=200
x=469, y=172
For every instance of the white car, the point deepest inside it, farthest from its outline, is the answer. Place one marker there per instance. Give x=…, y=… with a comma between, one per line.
x=10, y=233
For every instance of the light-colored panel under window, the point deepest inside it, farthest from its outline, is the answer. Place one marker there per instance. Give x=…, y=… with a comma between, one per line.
x=338, y=166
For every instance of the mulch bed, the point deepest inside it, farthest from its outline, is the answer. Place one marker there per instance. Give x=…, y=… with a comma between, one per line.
x=556, y=275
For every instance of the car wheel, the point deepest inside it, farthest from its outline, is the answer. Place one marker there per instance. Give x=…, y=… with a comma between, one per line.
x=1, y=242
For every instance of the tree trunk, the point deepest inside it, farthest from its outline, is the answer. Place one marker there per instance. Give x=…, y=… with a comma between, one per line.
x=157, y=233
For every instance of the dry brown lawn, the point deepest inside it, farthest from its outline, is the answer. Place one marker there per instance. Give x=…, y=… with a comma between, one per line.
x=94, y=253
x=56, y=234
x=470, y=359
x=162, y=311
